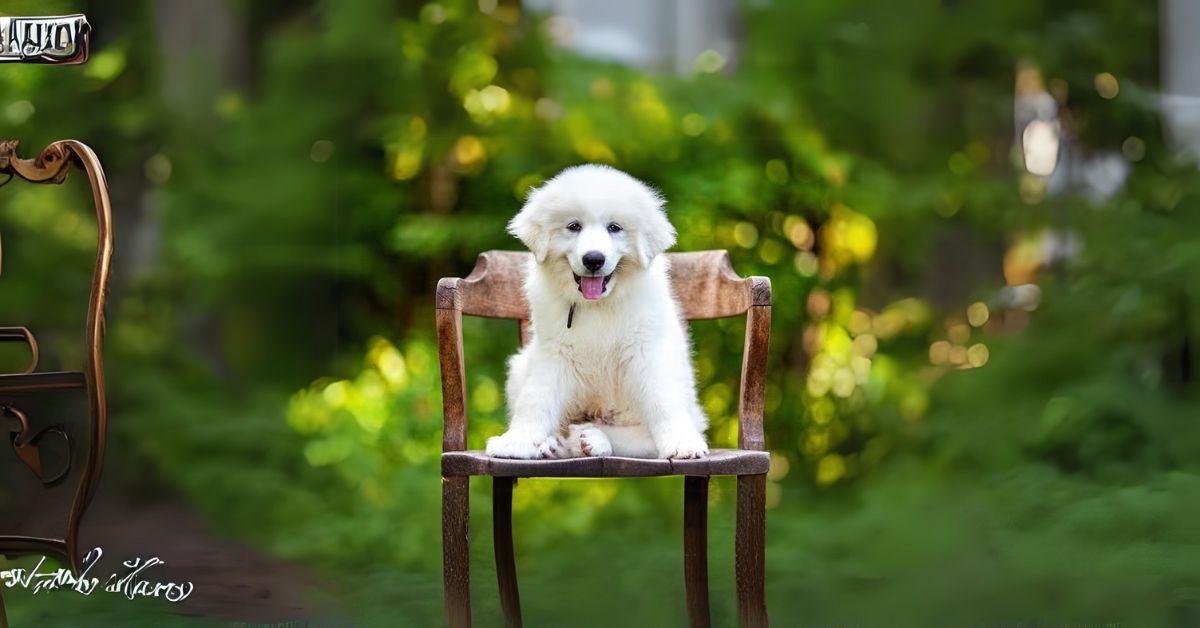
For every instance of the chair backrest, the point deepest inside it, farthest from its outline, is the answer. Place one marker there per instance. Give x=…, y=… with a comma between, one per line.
x=704, y=283
x=21, y=393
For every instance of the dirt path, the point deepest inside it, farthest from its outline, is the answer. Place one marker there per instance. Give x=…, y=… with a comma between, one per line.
x=233, y=581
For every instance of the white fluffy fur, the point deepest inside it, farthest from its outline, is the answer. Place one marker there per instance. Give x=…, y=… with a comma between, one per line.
x=619, y=381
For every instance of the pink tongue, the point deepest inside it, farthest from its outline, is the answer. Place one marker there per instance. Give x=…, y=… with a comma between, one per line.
x=592, y=287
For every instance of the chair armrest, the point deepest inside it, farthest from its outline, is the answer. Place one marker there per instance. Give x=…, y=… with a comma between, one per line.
x=19, y=334
x=450, y=355
x=754, y=364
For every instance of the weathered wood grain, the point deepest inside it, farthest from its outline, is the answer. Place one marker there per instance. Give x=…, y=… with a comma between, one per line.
x=706, y=286
x=495, y=288
x=749, y=551
x=704, y=282
x=525, y=331
x=695, y=549
x=456, y=551
x=718, y=462
x=506, y=562
x=454, y=378
x=754, y=376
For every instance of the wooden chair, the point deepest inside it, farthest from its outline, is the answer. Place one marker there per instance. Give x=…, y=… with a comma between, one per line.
x=28, y=399
x=707, y=288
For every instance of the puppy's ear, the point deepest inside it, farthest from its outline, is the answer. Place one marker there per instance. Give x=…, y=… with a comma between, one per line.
x=655, y=235
x=526, y=227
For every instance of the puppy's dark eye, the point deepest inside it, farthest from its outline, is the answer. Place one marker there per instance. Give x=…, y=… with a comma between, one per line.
x=614, y=228
x=575, y=227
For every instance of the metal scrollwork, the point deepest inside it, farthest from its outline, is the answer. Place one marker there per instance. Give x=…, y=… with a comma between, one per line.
x=50, y=166
x=40, y=449
x=27, y=444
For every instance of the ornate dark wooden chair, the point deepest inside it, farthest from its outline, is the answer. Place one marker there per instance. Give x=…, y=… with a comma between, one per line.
x=707, y=288
x=51, y=457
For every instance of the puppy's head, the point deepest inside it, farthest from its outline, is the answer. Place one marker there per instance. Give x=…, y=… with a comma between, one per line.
x=594, y=221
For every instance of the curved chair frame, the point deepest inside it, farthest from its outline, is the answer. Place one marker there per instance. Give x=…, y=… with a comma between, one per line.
x=706, y=287
x=52, y=166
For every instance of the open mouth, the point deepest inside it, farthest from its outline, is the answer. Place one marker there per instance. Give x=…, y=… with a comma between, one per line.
x=592, y=287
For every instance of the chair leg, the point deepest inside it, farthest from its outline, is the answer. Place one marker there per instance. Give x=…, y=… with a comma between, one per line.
x=506, y=568
x=456, y=553
x=750, y=550
x=695, y=549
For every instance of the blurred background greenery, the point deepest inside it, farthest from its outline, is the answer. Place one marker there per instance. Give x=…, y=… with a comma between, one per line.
x=982, y=398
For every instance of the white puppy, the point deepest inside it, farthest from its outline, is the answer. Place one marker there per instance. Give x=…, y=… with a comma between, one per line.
x=608, y=369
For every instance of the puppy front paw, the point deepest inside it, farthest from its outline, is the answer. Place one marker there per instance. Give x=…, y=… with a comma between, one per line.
x=683, y=446
x=525, y=447
x=553, y=447
x=510, y=445
x=593, y=442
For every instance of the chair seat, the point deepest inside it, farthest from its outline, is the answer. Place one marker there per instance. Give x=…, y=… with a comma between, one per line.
x=718, y=462
x=33, y=382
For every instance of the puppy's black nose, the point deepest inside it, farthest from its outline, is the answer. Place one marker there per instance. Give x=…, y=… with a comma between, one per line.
x=593, y=260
